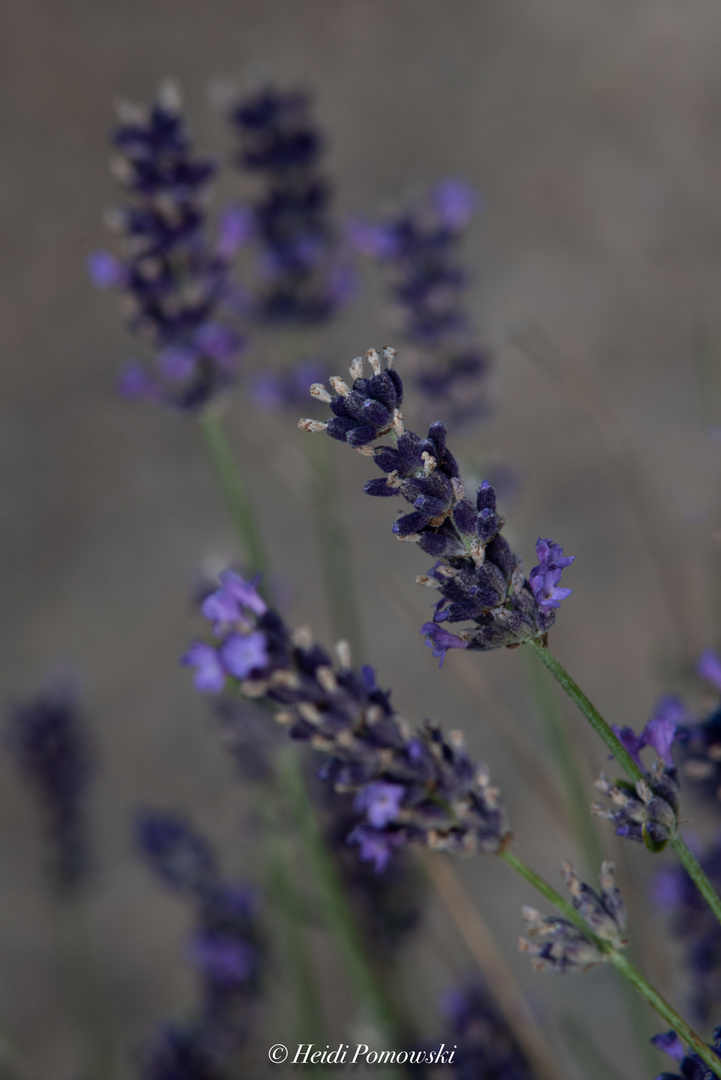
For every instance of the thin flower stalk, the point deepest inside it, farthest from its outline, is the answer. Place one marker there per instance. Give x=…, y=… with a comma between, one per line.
x=619, y=751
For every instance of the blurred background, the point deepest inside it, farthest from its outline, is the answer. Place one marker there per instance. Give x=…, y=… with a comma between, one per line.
x=592, y=130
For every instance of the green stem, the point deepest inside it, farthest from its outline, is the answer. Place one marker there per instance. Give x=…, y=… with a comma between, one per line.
x=234, y=493
x=614, y=744
x=337, y=912
x=560, y=744
x=599, y=725
x=289, y=907
x=336, y=563
x=619, y=961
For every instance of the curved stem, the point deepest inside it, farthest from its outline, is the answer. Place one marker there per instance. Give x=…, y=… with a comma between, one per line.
x=234, y=493
x=614, y=744
x=619, y=961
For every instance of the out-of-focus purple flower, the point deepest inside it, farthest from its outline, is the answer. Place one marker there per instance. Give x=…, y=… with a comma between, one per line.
x=419, y=245
x=545, y=577
x=209, y=672
x=47, y=738
x=414, y=787
x=305, y=276
x=660, y=732
x=478, y=576
x=484, y=1044
x=694, y=925
x=179, y=855
x=274, y=390
x=709, y=667
x=181, y=1053
x=692, y=1067
x=381, y=802
x=175, y=277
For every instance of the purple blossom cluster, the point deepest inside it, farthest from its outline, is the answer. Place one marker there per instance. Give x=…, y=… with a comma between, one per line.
x=410, y=786
x=700, y=739
x=303, y=276
x=47, y=738
x=561, y=947
x=691, y=1067
x=174, y=275
x=694, y=925
x=224, y=948
x=646, y=811
x=485, y=1046
x=419, y=246
x=479, y=577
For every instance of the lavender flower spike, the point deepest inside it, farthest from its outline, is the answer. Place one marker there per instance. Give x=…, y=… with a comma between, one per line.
x=691, y=1067
x=479, y=578
x=47, y=738
x=411, y=786
x=174, y=274
x=563, y=948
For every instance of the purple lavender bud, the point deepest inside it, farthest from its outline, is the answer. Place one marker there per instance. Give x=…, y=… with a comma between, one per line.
x=375, y=847
x=106, y=272
x=633, y=743
x=440, y=640
x=46, y=736
x=181, y=857
x=456, y=203
x=646, y=812
x=209, y=672
x=709, y=667
x=414, y=787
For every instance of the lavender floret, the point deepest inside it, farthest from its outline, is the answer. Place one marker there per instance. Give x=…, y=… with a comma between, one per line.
x=562, y=948
x=413, y=787
x=479, y=577
x=47, y=737
x=175, y=278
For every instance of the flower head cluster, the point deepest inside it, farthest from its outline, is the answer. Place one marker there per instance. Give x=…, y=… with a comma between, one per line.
x=304, y=277
x=690, y=1065
x=647, y=810
x=411, y=786
x=485, y=1045
x=224, y=947
x=562, y=948
x=695, y=926
x=47, y=738
x=175, y=278
x=477, y=574
x=420, y=245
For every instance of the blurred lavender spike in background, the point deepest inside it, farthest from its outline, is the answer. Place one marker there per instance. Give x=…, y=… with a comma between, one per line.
x=485, y=1045
x=303, y=276
x=693, y=924
x=177, y=854
x=413, y=786
x=691, y=1066
x=419, y=245
x=479, y=578
x=48, y=740
x=175, y=276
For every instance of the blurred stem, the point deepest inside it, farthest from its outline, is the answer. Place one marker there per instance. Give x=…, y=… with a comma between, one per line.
x=290, y=909
x=236, y=498
x=498, y=975
x=333, y=543
x=619, y=961
x=614, y=744
x=336, y=910
x=561, y=745
x=88, y=1000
